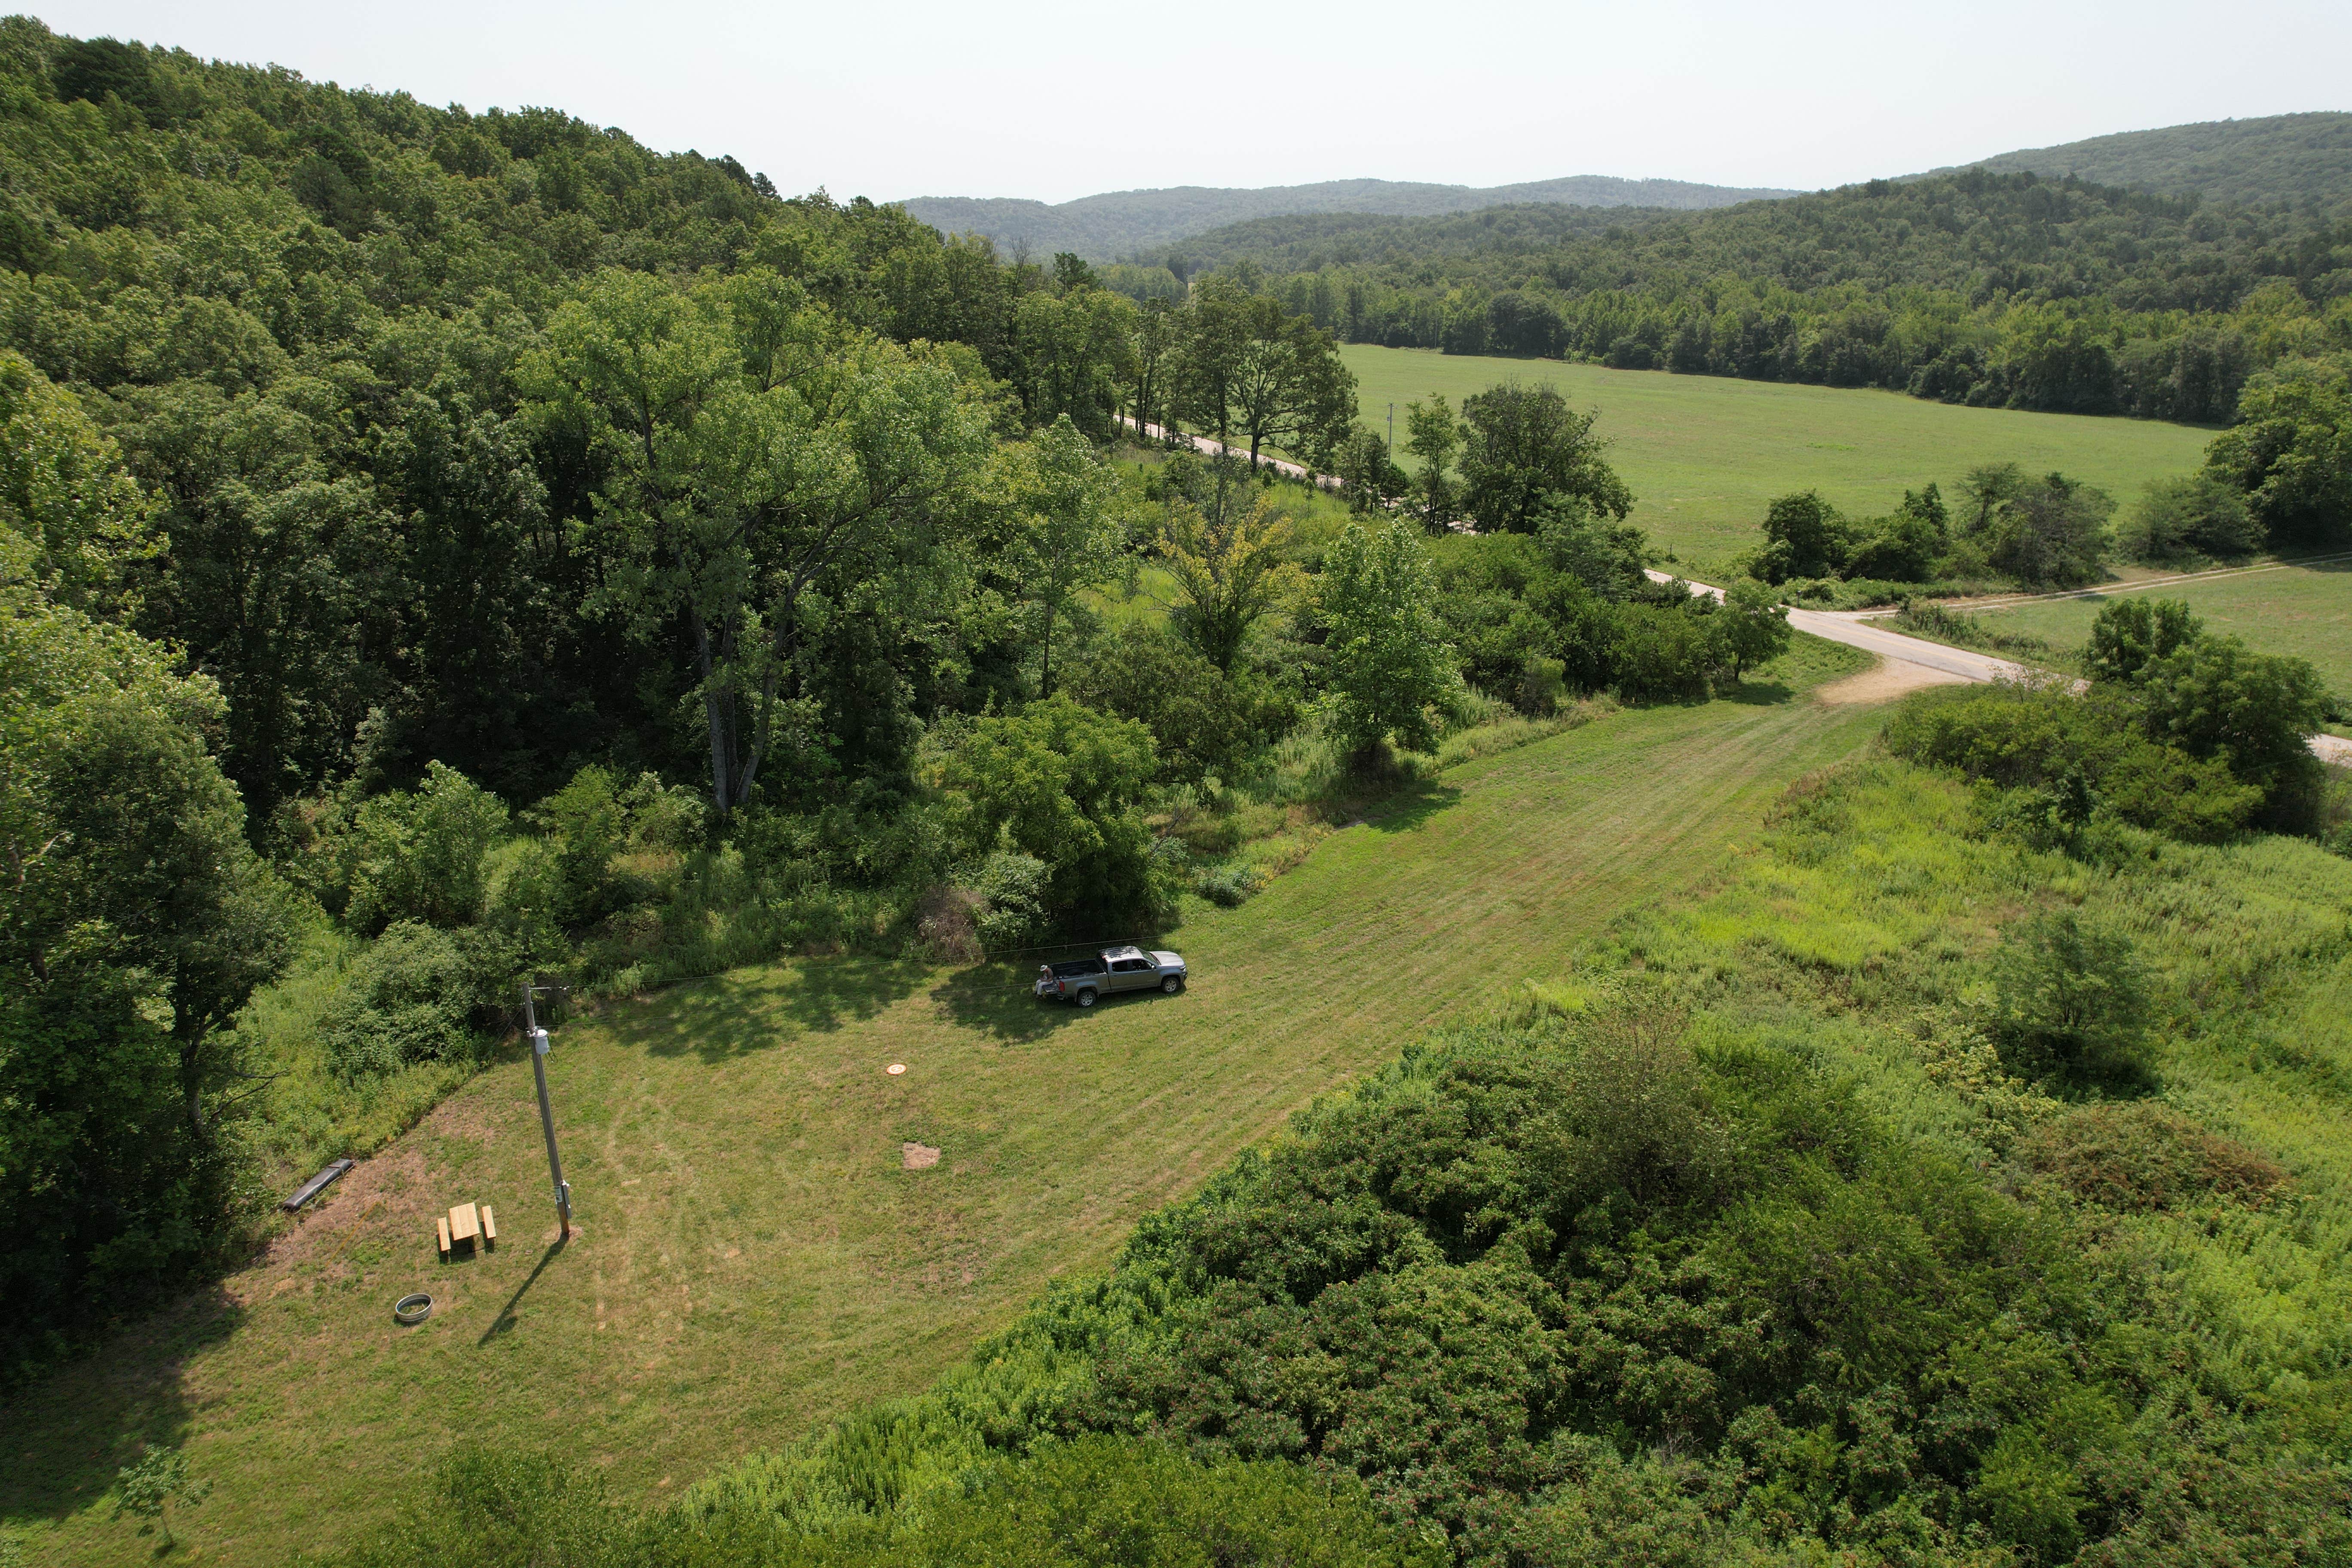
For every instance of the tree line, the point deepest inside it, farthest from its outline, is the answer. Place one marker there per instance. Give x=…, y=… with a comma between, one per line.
x=1998, y=290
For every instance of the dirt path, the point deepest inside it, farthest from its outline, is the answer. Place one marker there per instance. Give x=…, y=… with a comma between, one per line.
x=1214, y=447
x=2134, y=586
x=1884, y=681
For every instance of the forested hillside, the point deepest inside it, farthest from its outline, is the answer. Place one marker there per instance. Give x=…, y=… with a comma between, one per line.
x=301, y=311
x=2006, y=289
x=1305, y=241
x=374, y=471
x=1116, y=225
x=2295, y=159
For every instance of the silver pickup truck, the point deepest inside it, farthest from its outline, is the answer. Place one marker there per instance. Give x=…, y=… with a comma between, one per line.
x=1084, y=980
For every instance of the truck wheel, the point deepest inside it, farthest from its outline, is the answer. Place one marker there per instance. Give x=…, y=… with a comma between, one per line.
x=1170, y=984
x=1086, y=998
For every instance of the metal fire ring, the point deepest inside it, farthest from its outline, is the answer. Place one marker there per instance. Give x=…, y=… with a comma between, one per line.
x=411, y=1310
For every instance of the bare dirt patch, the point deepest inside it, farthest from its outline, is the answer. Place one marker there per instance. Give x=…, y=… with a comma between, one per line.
x=1883, y=682
x=918, y=1156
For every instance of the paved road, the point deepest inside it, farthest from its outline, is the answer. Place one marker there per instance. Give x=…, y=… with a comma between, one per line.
x=1858, y=631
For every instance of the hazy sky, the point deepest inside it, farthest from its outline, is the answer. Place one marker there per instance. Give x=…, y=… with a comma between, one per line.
x=1055, y=101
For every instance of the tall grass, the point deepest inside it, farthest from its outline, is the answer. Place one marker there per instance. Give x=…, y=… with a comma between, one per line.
x=1933, y=621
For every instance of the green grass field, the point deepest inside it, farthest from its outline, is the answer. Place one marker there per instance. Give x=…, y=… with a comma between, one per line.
x=754, y=1258
x=2305, y=611
x=1705, y=454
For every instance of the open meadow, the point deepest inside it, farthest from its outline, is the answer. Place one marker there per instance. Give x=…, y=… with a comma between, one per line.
x=2302, y=611
x=1705, y=454
x=753, y=1257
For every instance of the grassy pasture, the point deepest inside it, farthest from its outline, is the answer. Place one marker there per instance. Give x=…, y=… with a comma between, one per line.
x=2305, y=611
x=752, y=1257
x=1705, y=454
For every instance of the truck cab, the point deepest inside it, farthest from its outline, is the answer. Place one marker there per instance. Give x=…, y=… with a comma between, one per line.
x=1082, y=982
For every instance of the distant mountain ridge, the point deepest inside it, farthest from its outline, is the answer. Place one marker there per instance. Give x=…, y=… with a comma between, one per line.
x=2281, y=158
x=1118, y=224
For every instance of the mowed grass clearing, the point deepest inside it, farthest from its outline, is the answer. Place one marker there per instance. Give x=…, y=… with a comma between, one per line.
x=2305, y=611
x=753, y=1257
x=1706, y=454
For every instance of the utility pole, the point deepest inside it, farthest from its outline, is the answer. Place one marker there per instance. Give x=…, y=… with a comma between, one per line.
x=538, y=1037
x=1391, y=432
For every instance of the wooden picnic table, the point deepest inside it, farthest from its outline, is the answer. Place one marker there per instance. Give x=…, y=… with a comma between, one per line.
x=473, y=1223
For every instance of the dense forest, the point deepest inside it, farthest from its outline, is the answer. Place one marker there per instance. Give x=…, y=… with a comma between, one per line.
x=2283, y=159
x=1116, y=225
x=1306, y=241
x=1997, y=290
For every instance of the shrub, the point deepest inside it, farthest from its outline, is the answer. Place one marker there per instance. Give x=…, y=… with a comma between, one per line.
x=2214, y=697
x=946, y=924
x=1085, y=1502
x=1128, y=1501
x=2199, y=514
x=1227, y=887
x=2085, y=750
x=2133, y=632
x=1059, y=783
x=1202, y=720
x=1543, y=687
x=1933, y=620
x=488, y=1508
x=2073, y=1002
x=2144, y=1158
x=1905, y=546
x=407, y=856
x=2008, y=735
x=1666, y=654
x=416, y=994
x=1635, y=1118
x=1013, y=889
x=596, y=821
x=2196, y=799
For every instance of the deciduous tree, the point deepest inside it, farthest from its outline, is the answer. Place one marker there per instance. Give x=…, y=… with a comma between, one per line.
x=1804, y=536
x=1525, y=444
x=1755, y=625
x=1389, y=662
x=1435, y=438
x=2054, y=533
x=2291, y=451
x=766, y=468
x=1067, y=534
x=1228, y=557
x=1252, y=372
